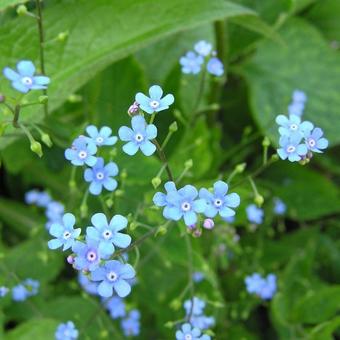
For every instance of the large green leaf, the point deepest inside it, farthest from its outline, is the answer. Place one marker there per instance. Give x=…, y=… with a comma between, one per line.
x=275, y=71
x=100, y=32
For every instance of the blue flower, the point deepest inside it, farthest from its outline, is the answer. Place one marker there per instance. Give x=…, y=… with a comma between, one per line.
x=197, y=277
x=3, y=291
x=54, y=210
x=191, y=63
x=315, y=142
x=190, y=333
x=101, y=137
x=202, y=321
x=101, y=176
x=299, y=96
x=229, y=219
x=24, y=80
x=82, y=152
x=41, y=199
x=279, y=206
x=87, y=255
x=25, y=289
x=89, y=286
x=296, y=109
x=265, y=288
x=116, y=307
x=291, y=148
x=254, y=214
x=66, y=331
x=254, y=283
x=113, y=276
x=203, y=48
x=107, y=234
x=219, y=202
x=64, y=233
x=131, y=324
x=138, y=137
x=194, y=307
x=155, y=102
x=292, y=125
x=160, y=199
x=215, y=67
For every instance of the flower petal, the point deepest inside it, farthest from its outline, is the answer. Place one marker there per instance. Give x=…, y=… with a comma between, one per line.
x=122, y=288
x=10, y=74
x=41, y=80
x=105, y=289
x=118, y=222
x=167, y=100
x=125, y=133
x=130, y=148
x=232, y=200
x=99, y=220
x=95, y=188
x=155, y=92
x=220, y=188
x=26, y=68
x=151, y=131
x=92, y=131
x=122, y=240
x=190, y=218
x=138, y=123
x=110, y=184
x=148, y=148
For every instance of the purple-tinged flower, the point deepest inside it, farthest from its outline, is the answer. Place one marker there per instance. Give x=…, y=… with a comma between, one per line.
x=219, y=202
x=133, y=109
x=155, y=102
x=101, y=137
x=64, y=233
x=24, y=80
x=293, y=125
x=291, y=148
x=315, y=142
x=131, y=324
x=88, y=285
x=66, y=331
x=191, y=63
x=87, y=255
x=194, y=307
x=188, y=332
x=254, y=214
x=100, y=176
x=215, y=67
x=203, y=48
x=3, y=291
x=139, y=137
x=198, y=277
x=82, y=152
x=108, y=234
x=116, y=307
x=279, y=206
x=114, y=276
x=208, y=223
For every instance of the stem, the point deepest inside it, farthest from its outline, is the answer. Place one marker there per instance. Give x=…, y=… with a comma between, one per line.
x=200, y=93
x=232, y=175
x=253, y=185
x=152, y=118
x=41, y=48
x=166, y=140
x=163, y=159
x=190, y=273
x=27, y=132
x=221, y=40
x=16, y=116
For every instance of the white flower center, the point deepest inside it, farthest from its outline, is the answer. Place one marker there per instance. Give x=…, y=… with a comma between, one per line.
x=100, y=175
x=66, y=235
x=139, y=137
x=188, y=336
x=91, y=256
x=82, y=154
x=107, y=234
x=311, y=143
x=99, y=140
x=112, y=276
x=186, y=206
x=293, y=127
x=154, y=104
x=27, y=81
x=218, y=202
x=291, y=148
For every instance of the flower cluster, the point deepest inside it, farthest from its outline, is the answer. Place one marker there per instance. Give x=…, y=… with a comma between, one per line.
x=254, y=214
x=264, y=287
x=66, y=331
x=25, y=289
x=93, y=255
x=203, y=55
x=297, y=105
x=194, y=311
x=187, y=203
x=299, y=139
x=131, y=323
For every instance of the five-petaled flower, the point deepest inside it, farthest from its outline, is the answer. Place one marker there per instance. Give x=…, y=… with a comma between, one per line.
x=293, y=125
x=100, y=176
x=203, y=48
x=215, y=67
x=315, y=142
x=155, y=102
x=191, y=63
x=108, y=234
x=131, y=324
x=187, y=332
x=87, y=255
x=113, y=275
x=64, y=233
x=101, y=137
x=254, y=214
x=82, y=152
x=291, y=148
x=66, y=331
x=24, y=80
x=138, y=137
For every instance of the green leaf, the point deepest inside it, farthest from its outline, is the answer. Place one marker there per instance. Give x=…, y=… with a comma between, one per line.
x=276, y=71
x=325, y=330
x=97, y=38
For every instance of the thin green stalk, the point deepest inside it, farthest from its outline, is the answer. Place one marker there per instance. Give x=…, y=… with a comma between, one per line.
x=163, y=159
x=190, y=273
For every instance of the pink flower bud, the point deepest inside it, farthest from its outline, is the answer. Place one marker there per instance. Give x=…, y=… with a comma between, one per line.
x=133, y=109
x=70, y=259
x=197, y=233
x=208, y=223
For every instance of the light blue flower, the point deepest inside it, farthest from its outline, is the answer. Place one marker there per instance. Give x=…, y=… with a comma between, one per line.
x=101, y=176
x=64, y=233
x=215, y=67
x=113, y=276
x=82, y=152
x=23, y=80
x=41, y=199
x=292, y=125
x=265, y=288
x=279, y=206
x=202, y=322
x=254, y=283
x=87, y=255
x=296, y=109
x=89, y=286
x=25, y=289
x=191, y=63
x=194, y=307
x=107, y=234
x=219, y=202
x=315, y=142
x=138, y=137
x=291, y=148
x=299, y=96
x=116, y=307
x=254, y=214
x=3, y=291
x=160, y=199
x=155, y=102
x=187, y=332
x=54, y=210
x=197, y=277
x=131, y=324
x=101, y=137
x=203, y=48
x=66, y=331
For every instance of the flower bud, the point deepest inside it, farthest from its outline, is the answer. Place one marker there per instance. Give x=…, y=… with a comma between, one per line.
x=133, y=226
x=70, y=259
x=62, y=36
x=46, y=139
x=156, y=181
x=119, y=193
x=208, y=223
x=275, y=157
x=43, y=99
x=133, y=109
x=265, y=142
x=173, y=127
x=75, y=98
x=259, y=200
x=162, y=230
x=36, y=148
x=188, y=164
x=109, y=202
x=240, y=167
x=22, y=10
x=83, y=210
x=197, y=233
x=123, y=174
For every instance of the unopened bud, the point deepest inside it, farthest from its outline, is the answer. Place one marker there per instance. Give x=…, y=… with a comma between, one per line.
x=197, y=233
x=70, y=259
x=62, y=36
x=188, y=164
x=198, y=141
x=43, y=99
x=75, y=98
x=162, y=230
x=123, y=174
x=208, y=223
x=109, y=202
x=46, y=139
x=119, y=193
x=259, y=200
x=36, y=148
x=173, y=127
x=22, y=10
x=275, y=157
x=2, y=128
x=133, y=226
x=83, y=210
x=169, y=324
x=175, y=304
x=240, y=167
x=266, y=142
x=156, y=181
x=133, y=109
